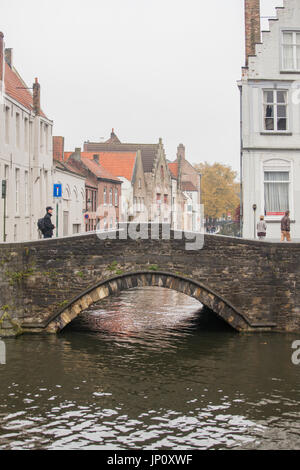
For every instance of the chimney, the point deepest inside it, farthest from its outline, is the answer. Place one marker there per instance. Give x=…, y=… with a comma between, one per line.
x=252, y=26
x=37, y=97
x=1, y=57
x=77, y=154
x=58, y=148
x=96, y=157
x=181, y=152
x=9, y=57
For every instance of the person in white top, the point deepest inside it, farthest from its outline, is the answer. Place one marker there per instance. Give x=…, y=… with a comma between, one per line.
x=261, y=228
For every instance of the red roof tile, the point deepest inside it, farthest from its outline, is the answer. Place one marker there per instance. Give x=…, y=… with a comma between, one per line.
x=173, y=167
x=15, y=88
x=98, y=170
x=148, y=151
x=117, y=163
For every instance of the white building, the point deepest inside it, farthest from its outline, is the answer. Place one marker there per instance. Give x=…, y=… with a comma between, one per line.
x=69, y=219
x=270, y=112
x=25, y=153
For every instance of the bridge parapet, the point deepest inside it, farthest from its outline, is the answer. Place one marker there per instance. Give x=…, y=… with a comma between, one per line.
x=258, y=280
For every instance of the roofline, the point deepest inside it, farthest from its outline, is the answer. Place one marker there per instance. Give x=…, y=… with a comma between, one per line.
x=67, y=170
x=109, y=180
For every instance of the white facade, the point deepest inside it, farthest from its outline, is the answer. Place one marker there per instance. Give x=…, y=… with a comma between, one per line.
x=71, y=206
x=126, y=199
x=270, y=106
x=191, y=211
x=25, y=163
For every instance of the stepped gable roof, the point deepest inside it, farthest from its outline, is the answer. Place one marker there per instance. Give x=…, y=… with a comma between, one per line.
x=98, y=170
x=16, y=88
x=113, y=138
x=148, y=151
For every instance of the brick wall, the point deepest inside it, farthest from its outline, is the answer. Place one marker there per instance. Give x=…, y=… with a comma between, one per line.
x=252, y=26
x=58, y=148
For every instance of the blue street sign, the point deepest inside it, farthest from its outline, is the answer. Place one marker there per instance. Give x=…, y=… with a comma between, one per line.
x=57, y=190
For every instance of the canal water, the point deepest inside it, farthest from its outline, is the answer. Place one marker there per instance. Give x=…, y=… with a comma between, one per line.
x=150, y=369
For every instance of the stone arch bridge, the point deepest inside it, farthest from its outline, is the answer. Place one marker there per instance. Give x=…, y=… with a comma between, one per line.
x=45, y=284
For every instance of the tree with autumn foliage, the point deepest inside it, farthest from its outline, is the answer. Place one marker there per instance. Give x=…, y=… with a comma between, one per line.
x=219, y=190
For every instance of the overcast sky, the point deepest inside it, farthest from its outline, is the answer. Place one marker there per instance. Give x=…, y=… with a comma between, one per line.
x=148, y=68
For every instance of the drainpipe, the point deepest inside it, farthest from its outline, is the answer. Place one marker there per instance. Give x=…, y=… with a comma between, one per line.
x=241, y=163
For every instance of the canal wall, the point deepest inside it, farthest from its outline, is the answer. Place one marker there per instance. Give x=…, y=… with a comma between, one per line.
x=250, y=280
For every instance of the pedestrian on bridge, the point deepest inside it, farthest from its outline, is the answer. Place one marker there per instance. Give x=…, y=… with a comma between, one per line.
x=286, y=227
x=261, y=228
x=45, y=225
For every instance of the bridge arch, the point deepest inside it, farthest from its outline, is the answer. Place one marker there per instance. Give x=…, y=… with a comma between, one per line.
x=116, y=284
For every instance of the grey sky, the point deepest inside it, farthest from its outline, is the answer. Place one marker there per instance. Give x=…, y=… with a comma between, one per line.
x=148, y=68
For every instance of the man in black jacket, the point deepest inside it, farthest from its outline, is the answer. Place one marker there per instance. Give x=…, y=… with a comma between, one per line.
x=49, y=227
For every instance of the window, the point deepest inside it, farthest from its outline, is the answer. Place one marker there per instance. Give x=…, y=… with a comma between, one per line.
x=275, y=110
x=116, y=198
x=76, y=228
x=7, y=119
x=110, y=197
x=277, y=189
x=26, y=129
x=105, y=196
x=291, y=50
x=94, y=201
x=18, y=130
x=46, y=137
x=41, y=138
x=17, y=175
x=140, y=183
x=26, y=194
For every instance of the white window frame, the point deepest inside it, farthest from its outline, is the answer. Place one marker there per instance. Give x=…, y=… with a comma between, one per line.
x=26, y=193
x=277, y=165
x=294, y=45
x=17, y=192
x=275, y=104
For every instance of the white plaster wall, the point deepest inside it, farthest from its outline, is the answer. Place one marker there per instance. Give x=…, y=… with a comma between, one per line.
x=72, y=202
x=28, y=157
x=265, y=72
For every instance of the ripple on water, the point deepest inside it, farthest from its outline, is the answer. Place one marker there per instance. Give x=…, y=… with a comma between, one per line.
x=148, y=369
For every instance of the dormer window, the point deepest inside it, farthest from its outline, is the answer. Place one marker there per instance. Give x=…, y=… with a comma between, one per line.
x=291, y=50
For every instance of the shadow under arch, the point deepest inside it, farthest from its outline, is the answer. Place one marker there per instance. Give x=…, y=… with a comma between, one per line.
x=113, y=285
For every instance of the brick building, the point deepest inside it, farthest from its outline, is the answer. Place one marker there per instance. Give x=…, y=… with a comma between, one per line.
x=160, y=190
x=186, y=191
x=150, y=178
x=103, y=190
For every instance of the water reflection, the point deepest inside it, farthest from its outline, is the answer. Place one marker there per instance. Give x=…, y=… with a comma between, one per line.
x=152, y=317
x=157, y=380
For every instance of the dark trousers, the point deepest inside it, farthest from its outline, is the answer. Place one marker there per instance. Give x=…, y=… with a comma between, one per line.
x=48, y=236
